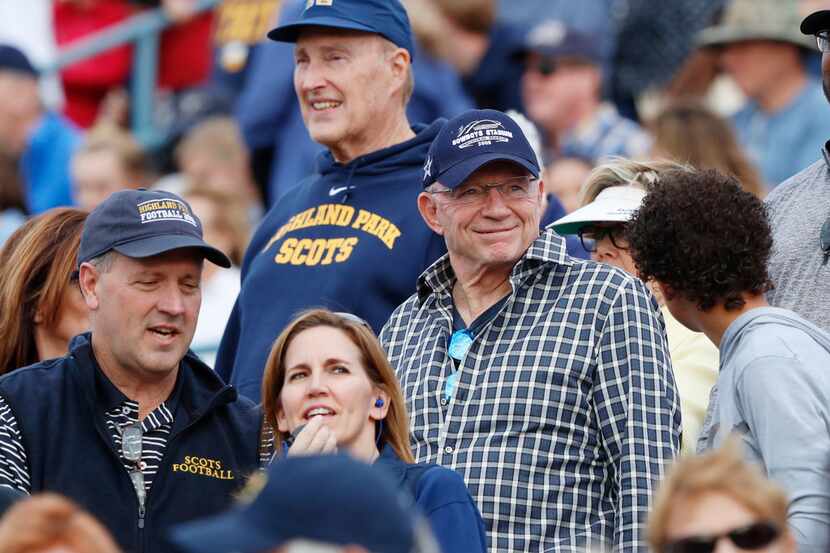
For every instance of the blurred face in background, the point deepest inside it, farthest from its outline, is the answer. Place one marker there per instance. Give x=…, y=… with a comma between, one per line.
x=20, y=110
x=564, y=178
x=756, y=65
x=212, y=229
x=713, y=515
x=96, y=175
x=553, y=88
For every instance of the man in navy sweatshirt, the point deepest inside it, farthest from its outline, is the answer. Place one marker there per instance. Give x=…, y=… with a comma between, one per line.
x=349, y=237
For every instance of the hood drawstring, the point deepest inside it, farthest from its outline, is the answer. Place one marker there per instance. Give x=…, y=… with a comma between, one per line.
x=349, y=185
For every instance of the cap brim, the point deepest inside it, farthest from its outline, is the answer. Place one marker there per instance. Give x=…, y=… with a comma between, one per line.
x=155, y=245
x=595, y=212
x=721, y=35
x=815, y=22
x=460, y=172
x=231, y=531
x=291, y=31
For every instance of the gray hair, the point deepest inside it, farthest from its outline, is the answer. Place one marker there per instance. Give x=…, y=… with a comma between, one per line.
x=104, y=261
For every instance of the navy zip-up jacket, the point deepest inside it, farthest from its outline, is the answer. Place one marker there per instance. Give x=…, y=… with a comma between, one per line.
x=70, y=451
x=350, y=238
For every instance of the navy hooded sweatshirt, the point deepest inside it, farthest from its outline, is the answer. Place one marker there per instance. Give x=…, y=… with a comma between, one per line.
x=349, y=238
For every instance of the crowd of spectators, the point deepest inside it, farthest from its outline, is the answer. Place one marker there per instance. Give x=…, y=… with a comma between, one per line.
x=555, y=271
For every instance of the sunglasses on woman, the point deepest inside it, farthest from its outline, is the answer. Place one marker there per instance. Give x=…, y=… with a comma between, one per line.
x=749, y=538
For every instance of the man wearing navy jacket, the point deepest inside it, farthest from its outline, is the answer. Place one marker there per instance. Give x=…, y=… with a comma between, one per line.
x=130, y=424
x=349, y=237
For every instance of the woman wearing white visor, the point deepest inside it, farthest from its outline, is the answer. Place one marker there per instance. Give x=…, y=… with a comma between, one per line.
x=610, y=197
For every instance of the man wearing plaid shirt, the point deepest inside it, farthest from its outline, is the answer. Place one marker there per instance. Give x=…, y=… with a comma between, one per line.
x=544, y=380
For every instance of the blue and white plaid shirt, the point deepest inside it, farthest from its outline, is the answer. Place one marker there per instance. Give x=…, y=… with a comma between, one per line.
x=565, y=412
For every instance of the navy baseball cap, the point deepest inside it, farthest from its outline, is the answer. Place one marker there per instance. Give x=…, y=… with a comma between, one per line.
x=13, y=59
x=554, y=39
x=815, y=22
x=331, y=499
x=473, y=139
x=384, y=17
x=143, y=223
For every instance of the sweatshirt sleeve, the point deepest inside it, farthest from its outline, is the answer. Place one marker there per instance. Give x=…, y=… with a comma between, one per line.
x=786, y=408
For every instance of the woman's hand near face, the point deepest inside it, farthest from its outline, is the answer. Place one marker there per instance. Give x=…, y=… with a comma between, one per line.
x=315, y=439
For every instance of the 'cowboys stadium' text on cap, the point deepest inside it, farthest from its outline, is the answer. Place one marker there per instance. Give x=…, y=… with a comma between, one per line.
x=473, y=139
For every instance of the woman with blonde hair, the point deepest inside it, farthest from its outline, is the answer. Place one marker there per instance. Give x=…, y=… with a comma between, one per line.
x=328, y=388
x=41, y=306
x=716, y=498
x=610, y=197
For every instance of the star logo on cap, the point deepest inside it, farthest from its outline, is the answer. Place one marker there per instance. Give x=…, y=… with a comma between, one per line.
x=428, y=168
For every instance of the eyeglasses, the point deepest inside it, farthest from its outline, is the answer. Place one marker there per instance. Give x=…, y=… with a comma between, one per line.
x=590, y=236
x=512, y=189
x=823, y=41
x=824, y=239
x=752, y=537
x=131, y=448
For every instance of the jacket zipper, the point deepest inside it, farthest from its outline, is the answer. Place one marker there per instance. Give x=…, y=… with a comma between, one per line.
x=144, y=499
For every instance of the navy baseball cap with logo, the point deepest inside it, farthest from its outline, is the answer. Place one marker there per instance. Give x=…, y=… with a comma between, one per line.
x=384, y=17
x=144, y=223
x=474, y=139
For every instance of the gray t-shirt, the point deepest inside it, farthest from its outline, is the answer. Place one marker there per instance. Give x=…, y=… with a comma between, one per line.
x=798, y=209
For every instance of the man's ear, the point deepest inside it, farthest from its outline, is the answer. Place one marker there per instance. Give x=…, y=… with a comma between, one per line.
x=88, y=278
x=401, y=65
x=429, y=211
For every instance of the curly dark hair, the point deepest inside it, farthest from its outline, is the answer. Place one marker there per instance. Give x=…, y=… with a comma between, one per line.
x=705, y=237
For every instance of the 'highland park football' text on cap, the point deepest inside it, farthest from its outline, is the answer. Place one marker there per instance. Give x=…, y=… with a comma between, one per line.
x=144, y=223
x=473, y=139
x=384, y=17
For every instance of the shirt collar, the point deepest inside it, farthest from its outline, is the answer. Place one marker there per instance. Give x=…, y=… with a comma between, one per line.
x=549, y=247
x=110, y=397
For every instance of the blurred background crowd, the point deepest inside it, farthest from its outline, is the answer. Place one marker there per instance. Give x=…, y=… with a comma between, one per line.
x=211, y=110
